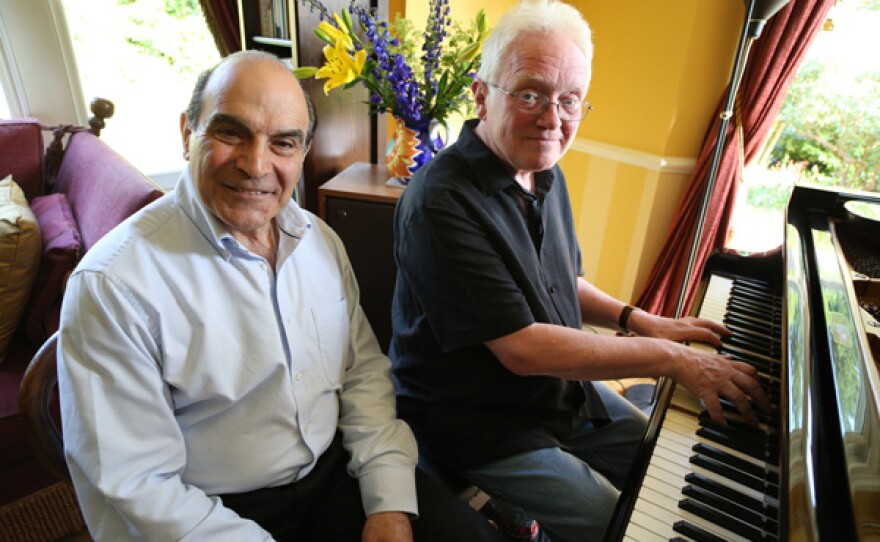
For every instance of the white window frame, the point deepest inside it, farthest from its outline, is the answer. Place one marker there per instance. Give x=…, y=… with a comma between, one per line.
x=37, y=65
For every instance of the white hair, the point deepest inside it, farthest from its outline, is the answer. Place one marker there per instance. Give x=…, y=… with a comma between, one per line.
x=534, y=17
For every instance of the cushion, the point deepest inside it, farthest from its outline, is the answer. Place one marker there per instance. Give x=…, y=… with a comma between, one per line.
x=21, y=142
x=61, y=250
x=19, y=258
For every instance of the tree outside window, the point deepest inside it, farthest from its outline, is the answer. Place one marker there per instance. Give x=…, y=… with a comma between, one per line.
x=144, y=55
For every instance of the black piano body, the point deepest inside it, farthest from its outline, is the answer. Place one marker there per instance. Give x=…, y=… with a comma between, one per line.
x=822, y=481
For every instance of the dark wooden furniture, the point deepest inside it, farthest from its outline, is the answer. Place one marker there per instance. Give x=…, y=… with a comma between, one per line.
x=36, y=400
x=359, y=205
x=346, y=132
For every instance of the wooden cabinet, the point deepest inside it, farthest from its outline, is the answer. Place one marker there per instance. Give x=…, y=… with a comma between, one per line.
x=359, y=206
x=346, y=132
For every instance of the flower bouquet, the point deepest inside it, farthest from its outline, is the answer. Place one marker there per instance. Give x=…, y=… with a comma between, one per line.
x=420, y=79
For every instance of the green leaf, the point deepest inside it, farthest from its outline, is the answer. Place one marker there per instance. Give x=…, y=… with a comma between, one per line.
x=304, y=72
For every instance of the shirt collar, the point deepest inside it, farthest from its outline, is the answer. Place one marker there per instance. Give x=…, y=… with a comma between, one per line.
x=291, y=221
x=494, y=176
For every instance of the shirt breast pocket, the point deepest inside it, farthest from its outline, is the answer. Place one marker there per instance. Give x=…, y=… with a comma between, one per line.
x=332, y=326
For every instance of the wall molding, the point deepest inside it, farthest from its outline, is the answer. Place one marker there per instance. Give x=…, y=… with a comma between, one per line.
x=651, y=162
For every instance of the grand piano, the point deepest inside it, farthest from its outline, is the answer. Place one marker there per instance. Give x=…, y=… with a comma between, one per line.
x=807, y=318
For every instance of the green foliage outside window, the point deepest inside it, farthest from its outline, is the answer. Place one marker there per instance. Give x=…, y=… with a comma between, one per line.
x=832, y=130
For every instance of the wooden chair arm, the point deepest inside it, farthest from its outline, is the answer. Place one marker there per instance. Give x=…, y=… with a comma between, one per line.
x=36, y=393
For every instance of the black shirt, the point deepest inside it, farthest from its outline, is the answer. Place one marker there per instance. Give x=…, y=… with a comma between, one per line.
x=478, y=258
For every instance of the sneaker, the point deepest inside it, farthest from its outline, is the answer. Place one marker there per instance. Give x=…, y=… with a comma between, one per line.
x=531, y=532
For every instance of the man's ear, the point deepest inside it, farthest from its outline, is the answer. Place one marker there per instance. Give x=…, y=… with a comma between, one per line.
x=185, y=134
x=481, y=92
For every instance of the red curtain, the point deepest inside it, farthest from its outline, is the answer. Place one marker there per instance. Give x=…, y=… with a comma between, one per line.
x=222, y=19
x=770, y=69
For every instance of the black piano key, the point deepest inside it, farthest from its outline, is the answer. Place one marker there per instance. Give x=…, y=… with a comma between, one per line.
x=719, y=518
x=756, y=287
x=770, y=365
x=751, y=345
x=757, y=335
x=761, y=299
x=734, y=425
x=764, y=312
x=741, y=478
x=736, y=462
x=750, y=435
x=732, y=320
x=750, y=320
x=744, y=515
x=761, y=366
x=695, y=532
x=761, y=451
x=770, y=419
x=731, y=494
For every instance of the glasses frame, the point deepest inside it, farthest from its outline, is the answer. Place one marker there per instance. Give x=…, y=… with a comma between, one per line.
x=586, y=106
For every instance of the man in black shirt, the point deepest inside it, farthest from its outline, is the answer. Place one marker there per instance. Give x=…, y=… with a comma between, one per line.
x=492, y=369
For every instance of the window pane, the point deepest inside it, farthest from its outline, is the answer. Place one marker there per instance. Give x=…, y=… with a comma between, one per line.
x=144, y=56
x=828, y=132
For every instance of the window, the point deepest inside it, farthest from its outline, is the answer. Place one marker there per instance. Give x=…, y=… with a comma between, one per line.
x=828, y=132
x=144, y=56
x=4, y=105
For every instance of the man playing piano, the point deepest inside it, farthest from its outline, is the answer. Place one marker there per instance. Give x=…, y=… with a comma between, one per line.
x=492, y=369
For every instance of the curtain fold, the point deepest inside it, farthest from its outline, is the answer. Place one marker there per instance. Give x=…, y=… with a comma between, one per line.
x=769, y=72
x=222, y=19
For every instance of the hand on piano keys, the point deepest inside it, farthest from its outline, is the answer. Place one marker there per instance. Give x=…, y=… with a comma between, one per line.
x=702, y=370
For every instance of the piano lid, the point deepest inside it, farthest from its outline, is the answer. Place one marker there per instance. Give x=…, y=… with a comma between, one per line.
x=843, y=351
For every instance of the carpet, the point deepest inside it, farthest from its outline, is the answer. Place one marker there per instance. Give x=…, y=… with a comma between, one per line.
x=49, y=515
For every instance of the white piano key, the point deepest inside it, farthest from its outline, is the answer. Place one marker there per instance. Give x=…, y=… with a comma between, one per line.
x=635, y=531
x=656, y=520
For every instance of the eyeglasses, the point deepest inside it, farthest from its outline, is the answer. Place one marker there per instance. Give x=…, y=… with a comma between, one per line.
x=569, y=108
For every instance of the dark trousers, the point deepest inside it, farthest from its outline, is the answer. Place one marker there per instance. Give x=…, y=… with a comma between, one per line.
x=325, y=506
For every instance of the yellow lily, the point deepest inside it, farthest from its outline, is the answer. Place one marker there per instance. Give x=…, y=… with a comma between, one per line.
x=333, y=34
x=341, y=67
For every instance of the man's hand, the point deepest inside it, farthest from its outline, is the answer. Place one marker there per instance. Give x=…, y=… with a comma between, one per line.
x=678, y=329
x=709, y=375
x=388, y=527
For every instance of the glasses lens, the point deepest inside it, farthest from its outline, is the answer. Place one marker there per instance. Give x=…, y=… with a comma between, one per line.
x=529, y=102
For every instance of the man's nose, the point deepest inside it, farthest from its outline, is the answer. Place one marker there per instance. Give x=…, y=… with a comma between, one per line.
x=254, y=159
x=550, y=117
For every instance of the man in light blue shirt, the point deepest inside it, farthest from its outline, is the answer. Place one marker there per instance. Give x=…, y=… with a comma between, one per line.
x=218, y=378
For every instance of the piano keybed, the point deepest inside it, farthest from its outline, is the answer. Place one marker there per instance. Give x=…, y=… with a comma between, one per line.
x=705, y=481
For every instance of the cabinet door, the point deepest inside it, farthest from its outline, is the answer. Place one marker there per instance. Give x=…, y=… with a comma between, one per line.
x=365, y=229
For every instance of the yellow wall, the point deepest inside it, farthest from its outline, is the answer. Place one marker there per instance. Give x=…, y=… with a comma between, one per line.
x=659, y=70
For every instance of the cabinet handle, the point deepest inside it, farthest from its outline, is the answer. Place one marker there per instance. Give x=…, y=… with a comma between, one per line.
x=342, y=214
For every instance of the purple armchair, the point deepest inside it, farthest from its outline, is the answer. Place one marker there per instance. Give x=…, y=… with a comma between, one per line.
x=76, y=194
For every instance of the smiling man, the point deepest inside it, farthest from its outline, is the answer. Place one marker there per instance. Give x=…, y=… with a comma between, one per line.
x=492, y=369
x=218, y=378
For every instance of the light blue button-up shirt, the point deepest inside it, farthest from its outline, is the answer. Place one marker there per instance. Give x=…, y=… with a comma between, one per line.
x=189, y=368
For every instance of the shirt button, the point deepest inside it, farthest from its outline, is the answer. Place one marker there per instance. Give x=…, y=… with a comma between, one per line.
x=299, y=377
x=553, y=289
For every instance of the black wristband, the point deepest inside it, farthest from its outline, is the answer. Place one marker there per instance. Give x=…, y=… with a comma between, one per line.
x=624, y=318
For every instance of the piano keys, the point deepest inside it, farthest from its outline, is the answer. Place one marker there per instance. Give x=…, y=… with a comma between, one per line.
x=706, y=482
x=811, y=470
